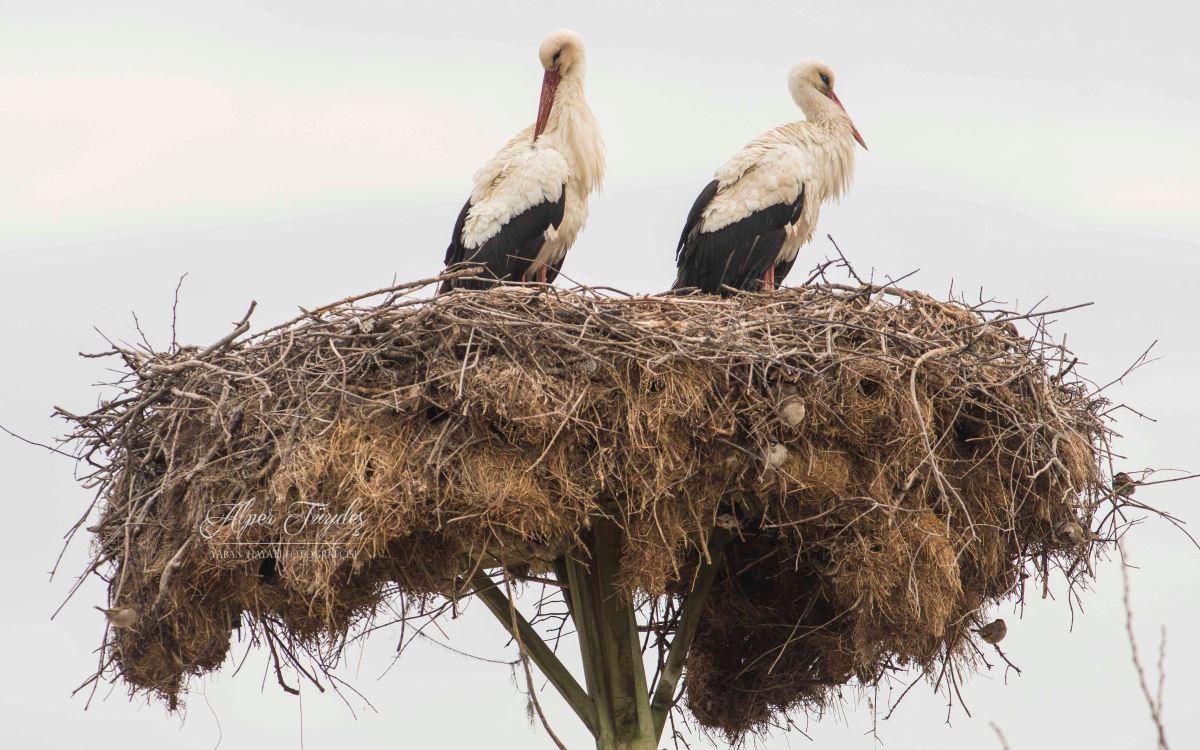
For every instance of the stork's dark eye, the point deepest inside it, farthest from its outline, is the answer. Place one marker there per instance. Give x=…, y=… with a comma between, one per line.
x=825, y=80
x=556, y=54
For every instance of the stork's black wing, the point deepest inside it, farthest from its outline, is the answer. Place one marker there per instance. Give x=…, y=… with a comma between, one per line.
x=692, y=225
x=737, y=255
x=507, y=255
x=456, y=252
x=783, y=266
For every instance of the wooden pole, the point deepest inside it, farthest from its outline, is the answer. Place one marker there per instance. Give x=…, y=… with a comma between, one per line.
x=689, y=618
x=608, y=640
x=558, y=675
x=617, y=708
x=580, y=589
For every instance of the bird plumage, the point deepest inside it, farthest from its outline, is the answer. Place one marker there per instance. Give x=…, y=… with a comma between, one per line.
x=1123, y=485
x=124, y=618
x=748, y=224
x=529, y=201
x=738, y=253
x=993, y=632
x=1070, y=532
x=519, y=196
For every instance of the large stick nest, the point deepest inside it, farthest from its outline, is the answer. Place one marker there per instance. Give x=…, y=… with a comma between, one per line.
x=889, y=465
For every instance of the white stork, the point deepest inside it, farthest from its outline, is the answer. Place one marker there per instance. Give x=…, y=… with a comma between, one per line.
x=530, y=199
x=746, y=227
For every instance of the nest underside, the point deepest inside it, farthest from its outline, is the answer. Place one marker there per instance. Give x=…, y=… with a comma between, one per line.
x=889, y=466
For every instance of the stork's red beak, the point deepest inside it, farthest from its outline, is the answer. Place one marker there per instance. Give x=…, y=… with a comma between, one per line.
x=549, y=86
x=857, y=136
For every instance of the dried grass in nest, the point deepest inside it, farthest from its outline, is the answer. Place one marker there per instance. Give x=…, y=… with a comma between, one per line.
x=890, y=465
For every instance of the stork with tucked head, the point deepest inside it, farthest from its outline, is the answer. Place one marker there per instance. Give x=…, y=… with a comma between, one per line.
x=745, y=229
x=530, y=199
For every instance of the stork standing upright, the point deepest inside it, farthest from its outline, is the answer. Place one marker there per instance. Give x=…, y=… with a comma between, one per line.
x=530, y=199
x=745, y=229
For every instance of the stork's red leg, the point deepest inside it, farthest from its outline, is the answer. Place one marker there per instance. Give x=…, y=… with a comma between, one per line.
x=769, y=279
x=541, y=275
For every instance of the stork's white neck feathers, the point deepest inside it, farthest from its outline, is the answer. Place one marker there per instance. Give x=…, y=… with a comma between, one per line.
x=832, y=138
x=574, y=131
x=816, y=106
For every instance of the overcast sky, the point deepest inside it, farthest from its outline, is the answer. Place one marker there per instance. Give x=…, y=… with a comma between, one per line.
x=295, y=153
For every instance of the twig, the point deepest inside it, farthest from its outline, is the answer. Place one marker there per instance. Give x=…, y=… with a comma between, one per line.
x=532, y=691
x=845, y=263
x=1152, y=703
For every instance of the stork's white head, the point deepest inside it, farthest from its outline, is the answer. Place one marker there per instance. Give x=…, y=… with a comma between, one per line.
x=811, y=84
x=561, y=55
x=561, y=51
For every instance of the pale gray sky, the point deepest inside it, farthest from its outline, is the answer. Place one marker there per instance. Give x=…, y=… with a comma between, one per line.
x=294, y=153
